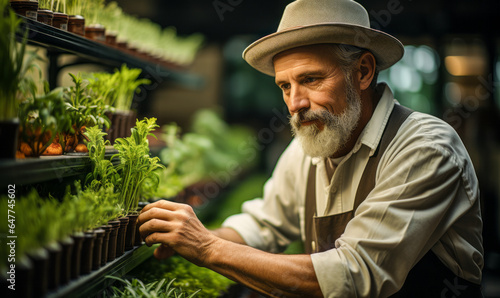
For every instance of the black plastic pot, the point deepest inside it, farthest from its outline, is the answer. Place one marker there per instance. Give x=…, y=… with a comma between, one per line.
x=122, y=232
x=76, y=254
x=40, y=259
x=105, y=243
x=113, y=239
x=55, y=253
x=9, y=131
x=98, y=242
x=66, y=264
x=131, y=227
x=87, y=252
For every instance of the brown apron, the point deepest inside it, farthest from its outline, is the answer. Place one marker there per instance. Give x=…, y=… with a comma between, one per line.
x=429, y=277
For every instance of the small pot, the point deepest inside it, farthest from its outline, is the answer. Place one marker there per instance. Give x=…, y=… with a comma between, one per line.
x=87, y=252
x=96, y=32
x=113, y=239
x=76, y=24
x=45, y=16
x=60, y=21
x=24, y=277
x=40, y=259
x=27, y=9
x=131, y=227
x=97, y=254
x=111, y=39
x=120, y=243
x=55, y=254
x=9, y=131
x=76, y=254
x=105, y=243
x=67, y=250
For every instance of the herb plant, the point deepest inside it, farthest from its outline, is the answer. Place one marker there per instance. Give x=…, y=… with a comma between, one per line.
x=157, y=289
x=14, y=64
x=128, y=83
x=136, y=165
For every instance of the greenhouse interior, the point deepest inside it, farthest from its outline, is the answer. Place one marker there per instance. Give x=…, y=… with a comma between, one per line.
x=133, y=129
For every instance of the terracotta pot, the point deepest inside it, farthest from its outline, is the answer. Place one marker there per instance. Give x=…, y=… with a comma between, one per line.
x=45, y=16
x=76, y=254
x=113, y=239
x=55, y=254
x=105, y=244
x=120, y=242
x=40, y=259
x=67, y=250
x=97, y=254
x=131, y=227
x=111, y=39
x=60, y=21
x=96, y=32
x=76, y=24
x=27, y=9
x=87, y=252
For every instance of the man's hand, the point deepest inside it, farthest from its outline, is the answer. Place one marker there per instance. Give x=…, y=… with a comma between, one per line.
x=178, y=229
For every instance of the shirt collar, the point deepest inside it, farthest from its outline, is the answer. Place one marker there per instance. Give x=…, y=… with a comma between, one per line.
x=372, y=133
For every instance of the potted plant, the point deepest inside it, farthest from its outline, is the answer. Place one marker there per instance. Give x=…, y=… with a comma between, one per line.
x=12, y=77
x=83, y=110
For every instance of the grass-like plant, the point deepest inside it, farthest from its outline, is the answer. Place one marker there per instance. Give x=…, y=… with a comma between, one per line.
x=14, y=63
x=136, y=165
x=128, y=83
x=157, y=289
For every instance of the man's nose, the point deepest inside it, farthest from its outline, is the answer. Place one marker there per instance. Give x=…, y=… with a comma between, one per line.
x=298, y=100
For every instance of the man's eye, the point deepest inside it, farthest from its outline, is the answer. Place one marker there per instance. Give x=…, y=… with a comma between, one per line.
x=285, y=86
x=310, y=80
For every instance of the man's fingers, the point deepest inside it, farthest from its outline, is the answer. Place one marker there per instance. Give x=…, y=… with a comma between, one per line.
x=154, y=213
x=163, y=252
x=163, y=204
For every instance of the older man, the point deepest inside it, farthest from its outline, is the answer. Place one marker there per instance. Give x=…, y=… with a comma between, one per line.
x=385, y=199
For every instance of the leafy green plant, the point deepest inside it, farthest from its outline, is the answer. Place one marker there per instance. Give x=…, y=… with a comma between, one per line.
x=41, y=119
x=136, y=165
x=186, y=275
x=15, y=64
x=128, y=83
x=157, y=289
x=103, y=172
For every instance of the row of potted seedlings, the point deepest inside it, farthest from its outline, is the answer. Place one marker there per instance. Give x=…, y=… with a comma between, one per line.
x=92, y=225
x=86, y=18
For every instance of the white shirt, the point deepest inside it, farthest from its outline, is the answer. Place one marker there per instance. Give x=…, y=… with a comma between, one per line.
x=426, y=197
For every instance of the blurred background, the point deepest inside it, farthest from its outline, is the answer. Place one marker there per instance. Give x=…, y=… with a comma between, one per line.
x=450, y=69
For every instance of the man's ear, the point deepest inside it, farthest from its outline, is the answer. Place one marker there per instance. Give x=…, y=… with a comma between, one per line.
x=366, y=70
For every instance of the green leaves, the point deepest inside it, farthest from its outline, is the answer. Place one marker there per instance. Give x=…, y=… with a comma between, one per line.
x=13, y=61
x=136, y=165
x=136, y=288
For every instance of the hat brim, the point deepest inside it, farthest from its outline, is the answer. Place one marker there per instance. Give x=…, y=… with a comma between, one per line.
x=386, y=48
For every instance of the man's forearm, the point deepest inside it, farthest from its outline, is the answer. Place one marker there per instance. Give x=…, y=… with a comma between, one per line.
x=228, y=234
x=272, y=274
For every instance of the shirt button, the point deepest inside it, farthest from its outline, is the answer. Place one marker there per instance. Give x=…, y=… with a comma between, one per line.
x=333, y=190
x=313, y=246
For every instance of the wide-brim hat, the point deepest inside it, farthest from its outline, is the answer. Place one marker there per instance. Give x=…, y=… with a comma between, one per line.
x=308, y=22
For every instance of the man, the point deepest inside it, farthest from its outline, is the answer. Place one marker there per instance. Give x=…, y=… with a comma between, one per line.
x=385, y=199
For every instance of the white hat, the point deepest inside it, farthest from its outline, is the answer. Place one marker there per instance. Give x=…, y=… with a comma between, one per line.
x=308, y=22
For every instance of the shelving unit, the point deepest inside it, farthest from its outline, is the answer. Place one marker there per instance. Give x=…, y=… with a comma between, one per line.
x=54, y=170
x=91, y=284
x=58, y=42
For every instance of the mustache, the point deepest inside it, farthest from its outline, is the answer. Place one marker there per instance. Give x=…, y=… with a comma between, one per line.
x=308, y=115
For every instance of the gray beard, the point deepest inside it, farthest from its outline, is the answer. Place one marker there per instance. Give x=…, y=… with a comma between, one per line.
x=337, y=128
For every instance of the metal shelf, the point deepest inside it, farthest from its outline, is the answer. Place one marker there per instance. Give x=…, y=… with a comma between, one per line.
x=58, y=41
x=46, y=168
x=91, y=284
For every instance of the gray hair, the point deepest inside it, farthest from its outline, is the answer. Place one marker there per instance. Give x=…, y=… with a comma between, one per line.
x=347, y=56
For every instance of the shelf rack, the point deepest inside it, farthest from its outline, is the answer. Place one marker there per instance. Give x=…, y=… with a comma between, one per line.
x=47, y=168
x=58, y=42
x=91, y=284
